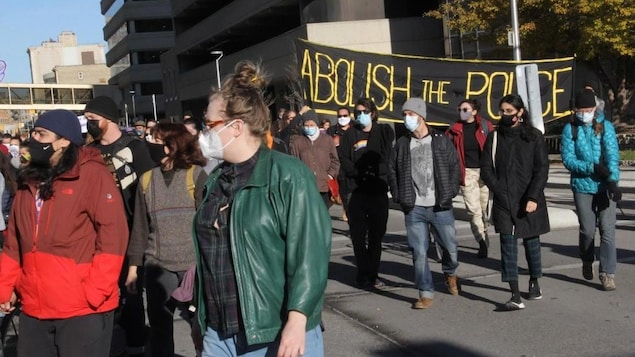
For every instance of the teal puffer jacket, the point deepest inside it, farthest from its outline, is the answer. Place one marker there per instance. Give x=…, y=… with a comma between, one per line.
x=280, y=233
x=589, y=148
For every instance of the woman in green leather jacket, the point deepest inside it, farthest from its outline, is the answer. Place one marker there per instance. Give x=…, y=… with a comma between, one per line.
x=262, y=237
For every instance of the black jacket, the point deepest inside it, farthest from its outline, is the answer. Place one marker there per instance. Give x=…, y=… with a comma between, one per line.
x=447, y=174
x=366, y=170
x=520, y=175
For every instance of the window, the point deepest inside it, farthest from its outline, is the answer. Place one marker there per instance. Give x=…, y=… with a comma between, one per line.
x=88, y=57
x=156, y=25
x=148, y=57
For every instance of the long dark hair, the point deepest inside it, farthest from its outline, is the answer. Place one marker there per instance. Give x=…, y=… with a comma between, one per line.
x=184, y=148
x=8, y=173
x=516, y=101
x=43, y=176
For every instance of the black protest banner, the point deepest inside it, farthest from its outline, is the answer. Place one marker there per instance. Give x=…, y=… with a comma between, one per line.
x=334, y=77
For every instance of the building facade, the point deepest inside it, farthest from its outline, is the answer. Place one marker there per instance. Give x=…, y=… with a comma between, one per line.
x=78, y=64
x=137, y=33
x=202, y=35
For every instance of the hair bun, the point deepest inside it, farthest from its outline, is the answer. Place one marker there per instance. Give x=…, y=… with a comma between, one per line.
x=249, y=75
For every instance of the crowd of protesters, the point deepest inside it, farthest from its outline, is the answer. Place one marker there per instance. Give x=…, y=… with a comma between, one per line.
x=219, y=221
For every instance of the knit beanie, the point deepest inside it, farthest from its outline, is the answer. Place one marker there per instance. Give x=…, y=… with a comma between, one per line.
x=310, y=115
x=416, y=105
x=103, y=106
x=63, y=123
x=585, y=99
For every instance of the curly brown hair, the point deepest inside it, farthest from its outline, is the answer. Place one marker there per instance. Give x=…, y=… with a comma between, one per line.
x=183, y=146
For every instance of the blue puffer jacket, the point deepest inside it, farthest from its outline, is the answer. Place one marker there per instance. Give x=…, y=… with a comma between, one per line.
x=579, y=155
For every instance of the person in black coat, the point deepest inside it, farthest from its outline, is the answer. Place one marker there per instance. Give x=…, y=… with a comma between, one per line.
x=515, y=167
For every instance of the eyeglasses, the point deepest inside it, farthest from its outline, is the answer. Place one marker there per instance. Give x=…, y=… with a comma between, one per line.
x=343, y=116
x=209, y=125
x=464, y=109
x=508, y=112
x=358, y=112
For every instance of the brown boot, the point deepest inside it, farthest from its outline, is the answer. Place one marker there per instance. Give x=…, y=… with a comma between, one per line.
x=451, y=283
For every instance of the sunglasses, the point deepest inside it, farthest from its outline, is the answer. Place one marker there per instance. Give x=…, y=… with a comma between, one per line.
x=464, y=109
x=358, y=112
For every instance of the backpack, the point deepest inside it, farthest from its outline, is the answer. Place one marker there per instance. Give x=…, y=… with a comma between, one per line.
x=189, y=181
x=484, y=126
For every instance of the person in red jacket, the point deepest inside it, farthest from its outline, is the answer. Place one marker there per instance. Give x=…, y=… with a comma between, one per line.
x=65, y=245
x=468, y=135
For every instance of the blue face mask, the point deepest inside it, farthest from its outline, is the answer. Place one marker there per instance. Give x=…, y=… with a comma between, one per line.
x=363, y=119
x=310, y=130
x=586, y=117
x=411, y=122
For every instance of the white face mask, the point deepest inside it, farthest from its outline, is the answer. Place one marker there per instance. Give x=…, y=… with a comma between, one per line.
x=343, y=121
x=211, y=143
x=585, y=117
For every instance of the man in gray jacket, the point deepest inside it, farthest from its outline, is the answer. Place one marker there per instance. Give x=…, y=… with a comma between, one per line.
x=425, y=177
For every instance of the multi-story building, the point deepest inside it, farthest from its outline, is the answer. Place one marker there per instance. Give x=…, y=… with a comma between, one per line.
x=190, y=36
x=137, y=33
x=66, y=62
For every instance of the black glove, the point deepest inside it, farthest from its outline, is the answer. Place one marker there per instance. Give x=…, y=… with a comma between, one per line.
x=601, y=171
x=614, y=192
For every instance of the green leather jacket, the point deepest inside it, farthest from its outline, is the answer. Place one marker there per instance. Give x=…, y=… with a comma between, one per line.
x=280, y=234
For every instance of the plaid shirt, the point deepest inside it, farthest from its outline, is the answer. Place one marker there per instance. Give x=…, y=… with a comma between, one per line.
x=212, y=233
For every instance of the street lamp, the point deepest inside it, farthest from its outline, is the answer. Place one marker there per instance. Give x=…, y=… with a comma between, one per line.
x=134, y=106
x=219, y=55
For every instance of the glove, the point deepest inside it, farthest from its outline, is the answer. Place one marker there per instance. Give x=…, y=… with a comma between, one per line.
x=601, y=171
x=614, y=192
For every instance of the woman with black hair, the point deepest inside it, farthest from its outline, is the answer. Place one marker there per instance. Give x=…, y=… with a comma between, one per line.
x=365, y=151
x=515, y=167
x=65, y=244
x=468, y=135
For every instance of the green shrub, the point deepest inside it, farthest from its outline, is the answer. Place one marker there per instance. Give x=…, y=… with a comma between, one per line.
x=627, y=155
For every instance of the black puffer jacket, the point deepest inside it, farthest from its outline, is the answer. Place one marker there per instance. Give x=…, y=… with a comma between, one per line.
x=520, y=175
x=447, y=174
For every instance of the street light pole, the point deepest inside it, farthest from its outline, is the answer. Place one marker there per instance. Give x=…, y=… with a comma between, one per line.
x=515, y=33
x=134, y=106
x=219, y=55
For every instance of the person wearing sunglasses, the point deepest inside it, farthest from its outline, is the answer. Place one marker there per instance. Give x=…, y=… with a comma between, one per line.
x=515, y=167
x=365, y=153
x=468, y=135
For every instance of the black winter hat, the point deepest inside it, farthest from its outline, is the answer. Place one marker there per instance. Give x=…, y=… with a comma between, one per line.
x=63, y=123
x=310, y=115
x=103, y=106
x=585, y=99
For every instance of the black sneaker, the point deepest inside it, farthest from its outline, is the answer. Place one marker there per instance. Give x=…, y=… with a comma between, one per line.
x=482, y=249
x=512, y=305
x=587, y=270
x=534, y=291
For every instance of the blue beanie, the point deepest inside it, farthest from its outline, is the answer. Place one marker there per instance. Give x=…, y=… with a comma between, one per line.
x=63, y=123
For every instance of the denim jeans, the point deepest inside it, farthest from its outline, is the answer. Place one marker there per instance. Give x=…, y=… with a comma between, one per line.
x=417, y=227
x=590, y=209
x=236, y=346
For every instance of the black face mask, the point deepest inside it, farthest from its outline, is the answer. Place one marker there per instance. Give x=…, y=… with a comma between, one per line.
x=92, y=126
x=40, y=153
x=156, y=152
x=508, y=120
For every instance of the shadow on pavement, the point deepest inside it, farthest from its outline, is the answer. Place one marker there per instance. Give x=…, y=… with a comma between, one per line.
x=429, y=349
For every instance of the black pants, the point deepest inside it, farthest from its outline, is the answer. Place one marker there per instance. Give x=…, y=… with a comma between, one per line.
x=130, y=318
x=81, y=336
x=367, y=218
x=160, y=283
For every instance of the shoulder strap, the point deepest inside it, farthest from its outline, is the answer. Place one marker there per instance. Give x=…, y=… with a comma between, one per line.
x=574, y=132
x=145, y=180
x=484, y=126
x=189, y=181
x=494, y=145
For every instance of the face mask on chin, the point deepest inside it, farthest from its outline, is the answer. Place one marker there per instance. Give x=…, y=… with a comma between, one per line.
x=211, y=143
